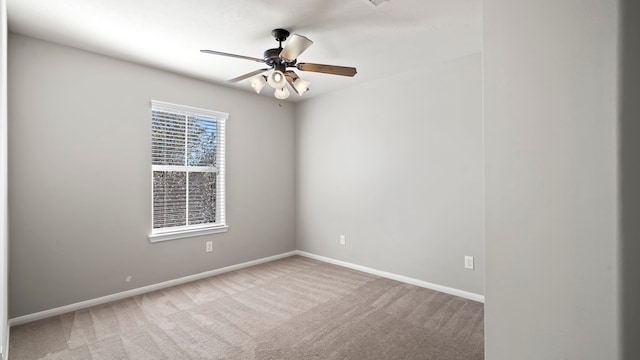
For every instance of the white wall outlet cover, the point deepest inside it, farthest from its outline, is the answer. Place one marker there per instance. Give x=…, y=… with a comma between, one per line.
x=343, y=240
x=209, y=246
x=468, y=262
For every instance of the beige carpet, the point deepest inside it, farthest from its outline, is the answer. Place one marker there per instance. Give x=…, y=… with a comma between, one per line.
x=294, y=308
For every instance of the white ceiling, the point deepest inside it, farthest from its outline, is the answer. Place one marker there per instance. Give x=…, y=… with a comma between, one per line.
x=398, y=36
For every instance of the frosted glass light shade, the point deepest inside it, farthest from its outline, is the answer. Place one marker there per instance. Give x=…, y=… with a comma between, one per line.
x=276, y=79
x=282, y=93
x=301, y=86
x=258, y=82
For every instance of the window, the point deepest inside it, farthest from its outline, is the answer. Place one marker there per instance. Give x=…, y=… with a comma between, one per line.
x=187, y=166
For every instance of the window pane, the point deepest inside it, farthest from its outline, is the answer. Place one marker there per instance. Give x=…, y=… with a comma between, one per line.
x=202, y=198
x=169, y=199
x=167, y=138
x=188, y=167
x=201, y=149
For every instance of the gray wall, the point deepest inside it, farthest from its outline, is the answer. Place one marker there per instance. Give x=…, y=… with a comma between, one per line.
x=79, y=176
x=4, y=232
x=396, y=166
x=629, y=134
x=550, y=97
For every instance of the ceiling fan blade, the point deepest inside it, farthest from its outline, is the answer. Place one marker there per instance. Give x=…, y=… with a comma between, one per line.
x=232, y=55
x=296, y=45
x=291, y=76
x=327, y=69
x=246, y=76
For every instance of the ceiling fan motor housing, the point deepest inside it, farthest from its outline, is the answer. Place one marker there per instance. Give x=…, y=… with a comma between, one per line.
x=272, y=57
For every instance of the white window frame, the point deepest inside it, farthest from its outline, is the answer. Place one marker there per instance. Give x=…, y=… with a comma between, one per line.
x=178, y=232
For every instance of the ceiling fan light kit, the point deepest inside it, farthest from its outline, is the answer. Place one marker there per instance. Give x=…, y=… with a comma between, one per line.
x=258, y=82
x=281, y=93
x=301, y=86
x=276, y=79
x=279, y=59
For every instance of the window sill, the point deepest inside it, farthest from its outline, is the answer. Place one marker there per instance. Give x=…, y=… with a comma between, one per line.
x=184, y=233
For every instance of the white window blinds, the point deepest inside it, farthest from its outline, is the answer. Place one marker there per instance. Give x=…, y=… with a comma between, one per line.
x=187, y=163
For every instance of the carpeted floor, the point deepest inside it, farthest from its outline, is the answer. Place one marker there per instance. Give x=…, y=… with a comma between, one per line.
x=294, y=308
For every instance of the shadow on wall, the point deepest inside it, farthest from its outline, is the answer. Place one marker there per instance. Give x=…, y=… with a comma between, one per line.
x=630, y=176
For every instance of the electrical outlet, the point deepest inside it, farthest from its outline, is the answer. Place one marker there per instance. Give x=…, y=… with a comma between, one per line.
x=209, y=247
x=343, y=240
x=468, y=262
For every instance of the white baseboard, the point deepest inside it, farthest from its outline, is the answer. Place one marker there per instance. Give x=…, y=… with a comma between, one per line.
x=401, y=278
x=139, y=291
x=146, y=289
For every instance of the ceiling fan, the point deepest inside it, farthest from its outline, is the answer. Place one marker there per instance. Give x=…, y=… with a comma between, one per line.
x=280, y=60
